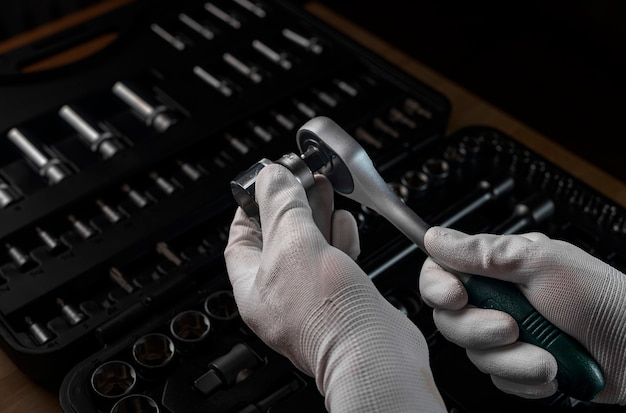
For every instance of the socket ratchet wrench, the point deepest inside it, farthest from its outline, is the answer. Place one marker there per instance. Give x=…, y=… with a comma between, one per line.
x=329, y=150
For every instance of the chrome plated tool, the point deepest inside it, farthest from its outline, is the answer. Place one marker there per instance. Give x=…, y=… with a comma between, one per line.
x=328, y=149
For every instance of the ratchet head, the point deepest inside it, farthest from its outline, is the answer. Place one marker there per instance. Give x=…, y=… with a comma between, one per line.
x=329, y=150
x=353, y=175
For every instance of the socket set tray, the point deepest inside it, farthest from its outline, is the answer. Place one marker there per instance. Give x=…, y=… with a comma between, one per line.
x=199, y=356
x=115, y=206
x=114, y=180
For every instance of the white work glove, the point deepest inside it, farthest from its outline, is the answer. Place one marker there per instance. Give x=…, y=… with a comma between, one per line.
x=578, y=293
x=309, y=300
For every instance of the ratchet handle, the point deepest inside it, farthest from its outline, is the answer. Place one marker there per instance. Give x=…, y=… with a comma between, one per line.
x=578, y=376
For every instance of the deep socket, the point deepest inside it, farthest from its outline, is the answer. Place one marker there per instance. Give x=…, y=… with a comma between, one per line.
x=202, y=29
x=163, y=249
x=221, y=85
x=111, y=214
x=346, y=87
x=84, y=230
x=246, y=69
x=40, y=334
x=97, y=138
x=163, y=184
x=177, y=42
x=53, y=245
x=118, y=278
x=189, y=170
x=71, y=314
x=325, y=97
x=148, y=109
x=140, y=201
x=281, y=59
x=23, y=261
x=224, y=16
x=252, y=8
x=47, y=166
x=311, y=44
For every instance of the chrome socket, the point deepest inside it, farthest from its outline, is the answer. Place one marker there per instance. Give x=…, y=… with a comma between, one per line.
x=97, y=138
x=153, y=351
x=135, y=403
x=190, y=326
x=152, y=113
x=47, y=166
x=113, y=379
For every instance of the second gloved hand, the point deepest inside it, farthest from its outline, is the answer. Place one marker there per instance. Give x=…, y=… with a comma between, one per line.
x=299, y=289
x=578, y=293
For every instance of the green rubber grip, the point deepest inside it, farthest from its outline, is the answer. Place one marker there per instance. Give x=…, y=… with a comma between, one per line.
x=578, y=376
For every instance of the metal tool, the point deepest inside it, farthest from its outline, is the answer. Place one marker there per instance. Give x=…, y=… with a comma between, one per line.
x=329, y=150
x=113, y=379
x=52, y=243
x=39, y=333
x=50, y=167
x=95, y=136
x=70, y=313
x=22, y=260
x=147, y=108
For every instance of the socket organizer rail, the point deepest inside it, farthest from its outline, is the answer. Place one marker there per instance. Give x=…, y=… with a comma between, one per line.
x=114, y=184
x=198, y=355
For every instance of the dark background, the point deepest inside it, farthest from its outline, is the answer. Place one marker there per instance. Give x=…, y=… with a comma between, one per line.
x=557, y=65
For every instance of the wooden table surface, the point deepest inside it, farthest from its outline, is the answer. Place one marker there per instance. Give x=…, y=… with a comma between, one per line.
x=19, y=394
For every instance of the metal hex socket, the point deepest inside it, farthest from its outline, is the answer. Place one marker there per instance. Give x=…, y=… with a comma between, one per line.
x=153, y=350
x=190, y=326
x=113, y=379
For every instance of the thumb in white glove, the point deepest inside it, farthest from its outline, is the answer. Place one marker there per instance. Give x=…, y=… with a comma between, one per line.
x=578, y=293
x=309, y=301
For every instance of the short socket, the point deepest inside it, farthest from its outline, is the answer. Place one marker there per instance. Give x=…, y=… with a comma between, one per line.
x=135, y=403
x=153, y=350
x=71, y=314
x=190, y=326
x=113, y=379
x=39, y=333
x=221, y=305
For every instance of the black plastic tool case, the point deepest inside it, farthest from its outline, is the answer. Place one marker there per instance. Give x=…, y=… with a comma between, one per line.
x=113, y=280
x=114, y=171
x=476, y=180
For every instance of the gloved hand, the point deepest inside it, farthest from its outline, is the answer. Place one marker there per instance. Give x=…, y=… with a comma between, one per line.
x=309, y=300
x=578, y=293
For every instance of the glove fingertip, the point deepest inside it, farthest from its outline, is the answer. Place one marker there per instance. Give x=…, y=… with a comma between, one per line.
x=345, y=233
x=527, y=391
x=440, y=289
